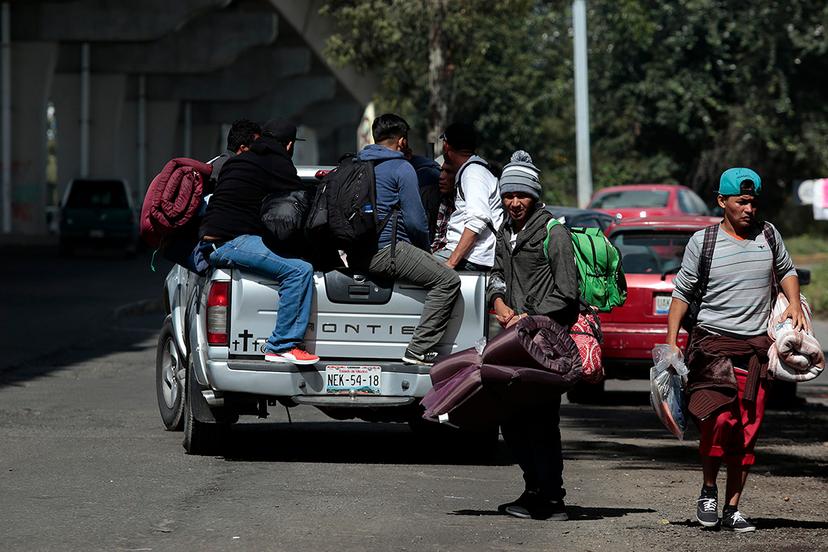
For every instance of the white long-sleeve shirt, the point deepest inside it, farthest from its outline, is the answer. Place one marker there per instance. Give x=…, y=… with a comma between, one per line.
x=481, y=207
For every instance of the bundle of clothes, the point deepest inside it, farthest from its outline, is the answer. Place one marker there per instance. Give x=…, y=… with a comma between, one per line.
x=795, y=355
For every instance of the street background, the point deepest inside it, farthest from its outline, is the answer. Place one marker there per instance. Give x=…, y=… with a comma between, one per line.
x=86, y=464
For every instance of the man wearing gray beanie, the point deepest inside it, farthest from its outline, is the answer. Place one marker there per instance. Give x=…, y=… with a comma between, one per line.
x=521, y=176
x=528, y=281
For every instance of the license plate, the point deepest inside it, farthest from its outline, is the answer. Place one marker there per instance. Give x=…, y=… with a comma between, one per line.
x=96, y=233
x=353, y=380
x=662, y=304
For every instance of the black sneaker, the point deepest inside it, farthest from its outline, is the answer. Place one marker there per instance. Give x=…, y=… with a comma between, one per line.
x=426, y=359
x=733, y=520
x=531, y=505
x=521, y=502
x=707, y=507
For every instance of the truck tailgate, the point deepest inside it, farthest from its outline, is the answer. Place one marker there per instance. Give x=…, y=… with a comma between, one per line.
x=353, y=317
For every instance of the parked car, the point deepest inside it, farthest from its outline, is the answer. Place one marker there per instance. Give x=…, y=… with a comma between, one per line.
x=651, y=253
x=96, y=212
x=210, y=366
x=648, y=200
x=585, y=218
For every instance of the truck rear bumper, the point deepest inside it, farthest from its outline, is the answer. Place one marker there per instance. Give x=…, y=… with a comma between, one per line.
x=401, y=383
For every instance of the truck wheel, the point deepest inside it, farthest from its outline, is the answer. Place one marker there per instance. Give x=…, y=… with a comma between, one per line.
x=170, y=377
x=586, y=393
x=200, y=438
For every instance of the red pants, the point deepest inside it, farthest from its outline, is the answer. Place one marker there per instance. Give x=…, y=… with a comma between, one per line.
x=730, y=433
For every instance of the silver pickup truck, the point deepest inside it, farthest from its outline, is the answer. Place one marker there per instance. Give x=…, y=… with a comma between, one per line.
x=210, y=366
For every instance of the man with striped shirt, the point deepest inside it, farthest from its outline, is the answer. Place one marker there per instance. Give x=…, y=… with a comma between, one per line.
x=727, y=352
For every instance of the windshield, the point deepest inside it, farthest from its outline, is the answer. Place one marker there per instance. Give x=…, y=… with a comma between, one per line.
x=97, y=194
x=631, y=198
x=651, y=252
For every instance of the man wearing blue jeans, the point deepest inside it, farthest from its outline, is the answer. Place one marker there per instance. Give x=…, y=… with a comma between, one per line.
x=233, y=236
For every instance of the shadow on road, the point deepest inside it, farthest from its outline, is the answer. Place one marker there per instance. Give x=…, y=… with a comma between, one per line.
x=576, y=513
x=358, y=442
x=766, y=523
x=59, y=312
x=635, y=435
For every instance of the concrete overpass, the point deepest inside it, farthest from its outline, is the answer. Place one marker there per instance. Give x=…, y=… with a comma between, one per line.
x=134, y=83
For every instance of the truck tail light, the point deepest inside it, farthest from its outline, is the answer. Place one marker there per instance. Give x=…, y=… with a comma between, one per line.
x=218, y=311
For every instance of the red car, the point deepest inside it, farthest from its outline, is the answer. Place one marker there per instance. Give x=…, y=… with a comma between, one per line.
x=651, y=253
x=648, y=200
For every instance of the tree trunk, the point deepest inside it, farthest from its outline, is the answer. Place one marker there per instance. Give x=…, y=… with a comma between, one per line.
x=438, y=73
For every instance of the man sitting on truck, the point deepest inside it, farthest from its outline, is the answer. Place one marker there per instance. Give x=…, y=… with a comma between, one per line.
x=478, y=211
x=403, y=245
x=232, y=230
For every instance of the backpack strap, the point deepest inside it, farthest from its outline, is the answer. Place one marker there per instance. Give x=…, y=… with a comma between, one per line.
x=461, y=194
x=770, y=237
x=459, y=178
x=705, y=261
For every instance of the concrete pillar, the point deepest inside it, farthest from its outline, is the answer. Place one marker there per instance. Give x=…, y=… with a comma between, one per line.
x=33, y=65
x=107, y=94
x=163, y=142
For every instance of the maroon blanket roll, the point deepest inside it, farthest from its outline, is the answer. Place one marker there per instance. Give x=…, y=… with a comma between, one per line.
x=535, y=342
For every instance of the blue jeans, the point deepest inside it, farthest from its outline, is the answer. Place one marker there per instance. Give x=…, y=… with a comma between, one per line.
x=295, y=279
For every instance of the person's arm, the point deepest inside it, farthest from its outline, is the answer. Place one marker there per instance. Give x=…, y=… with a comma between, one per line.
x=467, y=241
x=411, y=207
x=789, y=282
x=478, y=213
x=496, y=290
x=561, y=259
x=678, y=308
x=790, y=287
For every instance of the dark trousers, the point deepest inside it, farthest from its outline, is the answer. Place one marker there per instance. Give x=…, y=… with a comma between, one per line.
x=413, y=265
x=533, y=435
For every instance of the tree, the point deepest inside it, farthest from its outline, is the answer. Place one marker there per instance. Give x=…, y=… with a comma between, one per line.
x=679, y=91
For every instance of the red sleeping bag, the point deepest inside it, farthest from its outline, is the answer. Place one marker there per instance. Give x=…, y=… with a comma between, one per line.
x=173, y=198
x=523, y=364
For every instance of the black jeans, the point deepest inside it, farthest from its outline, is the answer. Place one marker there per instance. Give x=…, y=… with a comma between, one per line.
x=533, y=435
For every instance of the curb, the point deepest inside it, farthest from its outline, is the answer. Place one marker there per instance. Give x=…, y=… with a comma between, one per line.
x=146, y=306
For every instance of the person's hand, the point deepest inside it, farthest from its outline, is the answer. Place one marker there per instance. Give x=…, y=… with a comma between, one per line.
x=514, y=319
x=794, y=312
x=449, y=263
x=503, y=312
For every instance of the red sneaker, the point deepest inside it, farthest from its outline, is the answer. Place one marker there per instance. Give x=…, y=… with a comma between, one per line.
x=294, y=356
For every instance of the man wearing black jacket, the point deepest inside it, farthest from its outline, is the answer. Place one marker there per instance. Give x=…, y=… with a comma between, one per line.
x=526, y=280
x=232, y=232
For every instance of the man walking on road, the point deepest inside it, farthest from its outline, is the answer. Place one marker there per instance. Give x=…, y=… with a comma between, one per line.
x=728, y=347
x=470, y=238
x=526, y=280
x=403, y=245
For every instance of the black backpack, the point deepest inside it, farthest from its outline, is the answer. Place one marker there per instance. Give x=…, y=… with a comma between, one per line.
x=344, y=209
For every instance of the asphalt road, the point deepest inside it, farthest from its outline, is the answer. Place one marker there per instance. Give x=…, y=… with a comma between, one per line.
x=86, y=465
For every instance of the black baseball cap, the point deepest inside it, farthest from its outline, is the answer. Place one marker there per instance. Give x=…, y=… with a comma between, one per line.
x=283, y=131
x=460, y=136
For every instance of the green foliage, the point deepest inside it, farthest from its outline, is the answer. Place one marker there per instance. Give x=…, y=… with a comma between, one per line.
x=679, y=90
x=817, y=291
x=807, y=244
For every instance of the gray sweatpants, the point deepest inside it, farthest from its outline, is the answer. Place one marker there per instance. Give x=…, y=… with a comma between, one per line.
x=415, y=266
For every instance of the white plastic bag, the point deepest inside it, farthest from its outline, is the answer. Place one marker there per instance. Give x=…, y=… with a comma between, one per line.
x=667, y=379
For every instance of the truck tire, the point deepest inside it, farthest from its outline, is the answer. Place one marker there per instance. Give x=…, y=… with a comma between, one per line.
x=170, y=379
x=200, y=438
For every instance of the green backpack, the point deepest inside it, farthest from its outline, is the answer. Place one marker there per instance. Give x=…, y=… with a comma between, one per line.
x=600, y=275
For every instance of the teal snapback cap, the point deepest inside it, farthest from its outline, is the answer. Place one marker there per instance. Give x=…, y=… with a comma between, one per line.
x=739, y=181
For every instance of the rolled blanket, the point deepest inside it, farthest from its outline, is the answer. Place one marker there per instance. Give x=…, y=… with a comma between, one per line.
x=795, y=355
